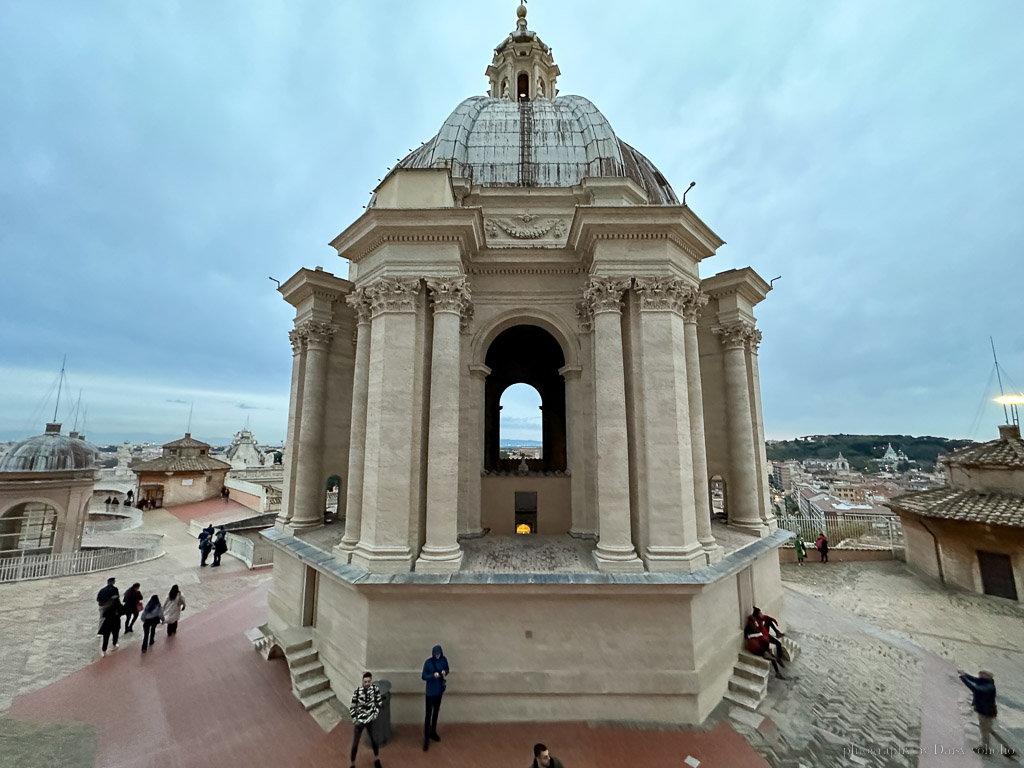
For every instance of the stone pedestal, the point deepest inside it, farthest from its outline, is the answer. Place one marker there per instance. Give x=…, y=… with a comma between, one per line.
x=615, y=551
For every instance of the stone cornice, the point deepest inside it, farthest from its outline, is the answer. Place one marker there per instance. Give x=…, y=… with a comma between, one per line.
x=381, y=226
x=314, y=284
x=745, y=282
x=674, y=223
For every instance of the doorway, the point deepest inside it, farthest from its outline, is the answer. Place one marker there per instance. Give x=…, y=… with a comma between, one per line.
x=997, y=574
x=526, y=511
x=310, y=587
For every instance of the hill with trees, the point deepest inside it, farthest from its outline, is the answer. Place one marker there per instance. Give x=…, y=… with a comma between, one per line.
x=861, y=450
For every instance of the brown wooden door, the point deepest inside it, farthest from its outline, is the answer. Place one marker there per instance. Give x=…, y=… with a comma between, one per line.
x=997, y=574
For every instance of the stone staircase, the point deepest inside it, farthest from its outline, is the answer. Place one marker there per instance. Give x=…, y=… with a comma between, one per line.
x=748, y=685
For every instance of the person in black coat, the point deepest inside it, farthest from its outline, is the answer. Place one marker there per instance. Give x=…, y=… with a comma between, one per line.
x=110, y=623
x=132, y=600
x=220, y=545
x=435, y=673
x=105, y=594
x=983, y=688
x=205, y=545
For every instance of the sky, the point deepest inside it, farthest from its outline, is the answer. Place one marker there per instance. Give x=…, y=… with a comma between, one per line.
x=162, y=160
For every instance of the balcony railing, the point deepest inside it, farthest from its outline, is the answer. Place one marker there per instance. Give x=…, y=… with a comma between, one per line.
x=26, y=567
x=848, y=531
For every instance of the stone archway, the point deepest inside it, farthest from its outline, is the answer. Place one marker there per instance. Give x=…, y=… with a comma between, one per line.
x=28, y=528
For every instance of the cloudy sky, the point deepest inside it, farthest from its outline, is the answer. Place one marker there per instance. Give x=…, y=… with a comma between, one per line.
x=161, y=160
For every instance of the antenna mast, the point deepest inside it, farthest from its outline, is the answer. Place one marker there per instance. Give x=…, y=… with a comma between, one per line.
x=61, y=384
x=188, y=427
x=999, y=378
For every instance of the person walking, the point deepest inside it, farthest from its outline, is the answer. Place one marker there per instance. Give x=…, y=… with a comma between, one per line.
x=152, y=615
x=801, y=550
x=173, y=606
x=107, y=592
x=364, y=710
x=435, y=673
x=205, y=545
x=110, y=623
x=132, y=604
x=542, y=758
x=220, y=545
x=822, y=546
x=983, y=688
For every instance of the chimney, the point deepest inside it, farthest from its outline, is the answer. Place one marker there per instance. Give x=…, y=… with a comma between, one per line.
x=1009, y=432
x=52, y=429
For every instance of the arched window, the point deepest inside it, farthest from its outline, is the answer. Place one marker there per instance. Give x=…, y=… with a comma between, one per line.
x=521, y=433
x=28, y=528
x=523, y=87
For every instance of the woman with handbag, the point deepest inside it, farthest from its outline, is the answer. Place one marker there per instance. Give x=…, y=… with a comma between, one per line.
x=173, y=606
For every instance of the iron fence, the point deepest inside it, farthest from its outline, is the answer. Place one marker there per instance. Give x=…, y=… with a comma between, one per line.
x=847, y=531
x=27, y=567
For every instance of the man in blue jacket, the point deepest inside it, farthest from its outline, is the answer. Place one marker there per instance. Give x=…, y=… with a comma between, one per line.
x=984, y=701
x=435, y=672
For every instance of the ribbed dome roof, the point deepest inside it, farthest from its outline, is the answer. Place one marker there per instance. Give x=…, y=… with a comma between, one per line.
x=49, y=452
x=543, y=143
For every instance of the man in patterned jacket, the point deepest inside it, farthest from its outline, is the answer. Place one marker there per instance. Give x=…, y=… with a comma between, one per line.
x=364, y=710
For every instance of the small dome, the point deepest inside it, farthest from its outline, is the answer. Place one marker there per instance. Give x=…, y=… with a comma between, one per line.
x=49, y=452
x=563, y=141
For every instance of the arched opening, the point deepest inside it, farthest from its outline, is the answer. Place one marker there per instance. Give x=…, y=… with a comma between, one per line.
x=28, y=529
x=523, y=87
x=719, y=497
x=333, y=492
x=526, y=354
x=520, y=424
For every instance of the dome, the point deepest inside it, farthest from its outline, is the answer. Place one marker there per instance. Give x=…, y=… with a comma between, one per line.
x=49, y=452
x=556, y=142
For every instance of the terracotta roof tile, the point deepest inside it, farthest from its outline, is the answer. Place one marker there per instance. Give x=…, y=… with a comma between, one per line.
x=181, y=464
x=962, y=504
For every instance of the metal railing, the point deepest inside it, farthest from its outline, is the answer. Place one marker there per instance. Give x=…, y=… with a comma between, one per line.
x=248, y=552
x=848, y=531
x=26, y=567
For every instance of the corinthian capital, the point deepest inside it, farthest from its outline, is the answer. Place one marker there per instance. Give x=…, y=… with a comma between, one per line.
x=360, y=304
x=297, y=339
x=604, y=294
x=737, y=335
x=314, y=335
x=694, y=300
x=392, y=294
x=754, y=340
x=449, y=294
x=662, y=293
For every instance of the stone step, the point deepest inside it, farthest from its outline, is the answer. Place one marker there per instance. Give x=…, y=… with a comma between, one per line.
x=302, y=658
x=311, y=685
x=755, y=661
x=306, y=671
x=756, y=690
x=319, y=697
x=757, y=674
x=792, y=647
x=742, y=700
x=295, y=639
x=326, y=715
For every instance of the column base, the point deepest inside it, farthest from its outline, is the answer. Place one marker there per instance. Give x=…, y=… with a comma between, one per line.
x=675, y=559
x=343, y=549
x=294, y=526
x=446, y=560
x=382, y=559
x=579, y=533
x=756, y=527
x=712, y=550
x=617, y=560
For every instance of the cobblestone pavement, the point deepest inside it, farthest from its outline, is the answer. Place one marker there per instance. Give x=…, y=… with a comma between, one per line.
x=875, y=684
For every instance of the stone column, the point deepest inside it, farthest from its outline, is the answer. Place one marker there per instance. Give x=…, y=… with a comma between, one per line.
x=357, y=435
x=298, y=341
x=310, y=485
x=574, y=439
x=387, y=462
x=671, y=519
x=762, y=452
x=441, y=552
x=693, y=303
x=615, y=551
x=478, y=382
x=741, y=491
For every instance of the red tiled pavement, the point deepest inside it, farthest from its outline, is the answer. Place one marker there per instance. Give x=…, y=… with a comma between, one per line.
x=206, y=698
x=216, y=511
